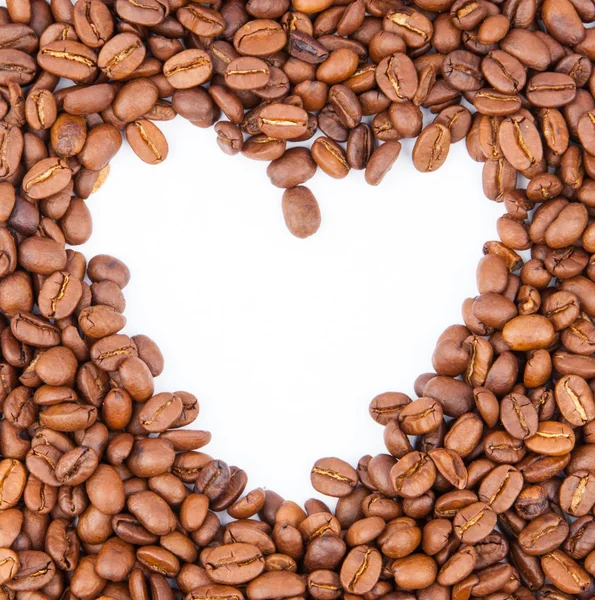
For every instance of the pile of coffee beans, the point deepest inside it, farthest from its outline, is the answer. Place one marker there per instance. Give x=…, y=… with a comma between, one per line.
x=487, y=489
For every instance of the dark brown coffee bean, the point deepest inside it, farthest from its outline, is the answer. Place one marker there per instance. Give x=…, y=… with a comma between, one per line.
x=461, y=69
x=303, y=46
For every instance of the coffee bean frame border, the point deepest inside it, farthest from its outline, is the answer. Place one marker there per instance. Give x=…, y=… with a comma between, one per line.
x=487, y=488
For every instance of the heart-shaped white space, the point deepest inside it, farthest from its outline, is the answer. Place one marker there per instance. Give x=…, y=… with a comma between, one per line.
x=285, y=341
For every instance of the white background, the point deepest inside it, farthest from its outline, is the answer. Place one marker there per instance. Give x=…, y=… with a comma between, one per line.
x=285, y=341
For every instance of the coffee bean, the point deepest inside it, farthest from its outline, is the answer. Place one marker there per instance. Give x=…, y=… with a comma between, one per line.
x=414, y=572
x=158, y=413
x=431, y=148
x=333, y=477
x=504, y=72
x=520, y=142
x=35, y=570
x=235, y=564
x=282, y=121
x=563, y=22
x=338, y=67
x=575, y=399
x=361, y=570
x=69, y=59
x=551, y=90
x=121, y=55
x=474, y=522
x=229, y=137
x=381, y=161
x=330, y=157
x=247, y=73
x=565, y=573
x=152, y=512
x=149, y=14
x=551, y=438
x=413, y=26
x=305, y=47
x=147, y=141
x=301, y=211
x=188, y=68
x=295, y=167
x=528, y=332
x=260, y=37
x=396, y=77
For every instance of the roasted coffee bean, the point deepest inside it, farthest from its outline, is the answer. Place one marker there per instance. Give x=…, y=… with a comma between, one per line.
x=69, y=59
x=414, y=572
x=361, y=570
x=381, y=161
x=235, y=564
x=188, y=69
x=147, y=141
x=303, y=46
x=35, y=570
x=330, y=157
x=300, y=211
x=260, y=37
x=338, y=67
x=565, y=573
x=575, y=399
x=333, y=477
x=474, y=522
x=247, y=73
x=551, y=90
x=431, y=148
x=282, y=121
x=397, y=78
x=121, y=55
